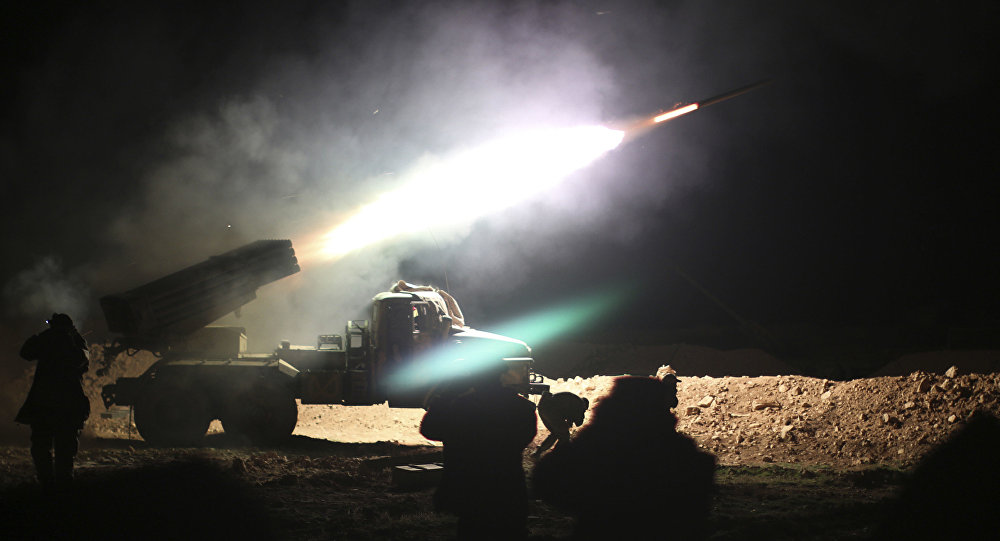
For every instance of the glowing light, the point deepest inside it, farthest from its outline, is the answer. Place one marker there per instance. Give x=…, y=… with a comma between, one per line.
x=674, y=113
x=468, y=353
x=545, y=325
x=473, y=183
x=475, y=350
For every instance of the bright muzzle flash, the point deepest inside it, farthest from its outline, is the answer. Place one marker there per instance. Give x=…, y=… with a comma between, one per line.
x=472, y=183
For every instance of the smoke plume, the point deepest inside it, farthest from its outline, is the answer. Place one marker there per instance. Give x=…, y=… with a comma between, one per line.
x=315, y=136
x=45, y=288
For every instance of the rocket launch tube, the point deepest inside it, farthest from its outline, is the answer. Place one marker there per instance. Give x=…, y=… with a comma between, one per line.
x=191, y=298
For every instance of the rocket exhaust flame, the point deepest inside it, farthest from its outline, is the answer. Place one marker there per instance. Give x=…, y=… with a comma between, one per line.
x=685, y=109
x=674, y=113
x=481, y=180
x=639, y=127
x=469, y=184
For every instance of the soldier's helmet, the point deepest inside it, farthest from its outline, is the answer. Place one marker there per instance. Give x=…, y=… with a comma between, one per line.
x=60, y=321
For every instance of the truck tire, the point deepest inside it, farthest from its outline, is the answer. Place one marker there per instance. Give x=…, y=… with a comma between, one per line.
x=265, y=414
x=172, y=416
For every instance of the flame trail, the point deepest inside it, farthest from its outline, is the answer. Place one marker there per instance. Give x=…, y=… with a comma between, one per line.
x=674, y=113
x=469, y=184
x=482, y=180
x=637, y=128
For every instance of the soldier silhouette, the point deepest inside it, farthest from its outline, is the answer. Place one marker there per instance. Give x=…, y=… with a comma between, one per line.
x=559, y=412
x=485, y=430
x=56, y=407
x=958, y=479
x=628, y=465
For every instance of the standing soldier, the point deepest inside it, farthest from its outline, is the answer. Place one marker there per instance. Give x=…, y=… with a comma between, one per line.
x=56, y=406
x=485, y=431
x=559, y=412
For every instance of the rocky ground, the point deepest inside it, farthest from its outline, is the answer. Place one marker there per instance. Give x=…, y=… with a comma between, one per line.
x=889, y=420
x=795, y=419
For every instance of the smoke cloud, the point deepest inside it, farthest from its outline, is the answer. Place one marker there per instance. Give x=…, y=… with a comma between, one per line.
x=139, y=138
x=281, y=123
x=315, y=136
x=46, y=288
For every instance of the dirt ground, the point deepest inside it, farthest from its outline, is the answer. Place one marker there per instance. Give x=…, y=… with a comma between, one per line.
x=743, y=420
x=334, y=480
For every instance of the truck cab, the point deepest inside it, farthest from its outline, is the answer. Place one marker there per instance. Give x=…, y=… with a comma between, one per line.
x=417, y=348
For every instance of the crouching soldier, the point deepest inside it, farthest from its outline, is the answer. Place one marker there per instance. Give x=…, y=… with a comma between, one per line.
x=559, y=412
x=56, y=406
x=629, y=464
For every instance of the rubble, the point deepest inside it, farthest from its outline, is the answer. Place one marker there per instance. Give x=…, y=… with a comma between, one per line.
x=706, y=402
x=761, y=405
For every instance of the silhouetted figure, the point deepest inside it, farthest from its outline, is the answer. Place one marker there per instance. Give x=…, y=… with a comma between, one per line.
x=56, y=406
x=559, y=412
x=954, y=490
x=629, y=473
x=485, y=431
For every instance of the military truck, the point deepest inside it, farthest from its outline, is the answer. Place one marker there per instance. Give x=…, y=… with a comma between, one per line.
x=415, y=344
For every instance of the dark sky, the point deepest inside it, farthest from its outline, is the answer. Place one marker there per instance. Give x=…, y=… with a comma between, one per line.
x=858, y=188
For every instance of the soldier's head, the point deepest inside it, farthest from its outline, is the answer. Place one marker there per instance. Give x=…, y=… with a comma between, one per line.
x=60, y=322
x=637, y=397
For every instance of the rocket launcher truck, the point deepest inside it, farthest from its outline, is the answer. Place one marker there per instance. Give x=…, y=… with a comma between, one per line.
x=415, y=344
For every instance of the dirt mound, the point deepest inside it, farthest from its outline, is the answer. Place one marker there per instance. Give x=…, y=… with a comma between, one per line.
x=571, y=359
x=975, y=361
x=885, y=420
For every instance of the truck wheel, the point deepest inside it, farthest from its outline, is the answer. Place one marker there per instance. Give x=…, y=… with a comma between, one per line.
x=172, y=416
x=265, y=414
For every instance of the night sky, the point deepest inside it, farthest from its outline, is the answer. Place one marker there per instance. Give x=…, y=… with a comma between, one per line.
x=858, y=188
